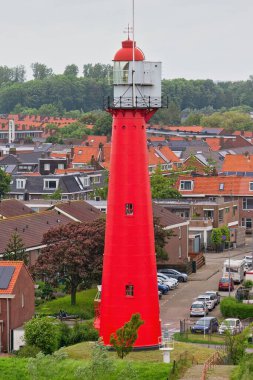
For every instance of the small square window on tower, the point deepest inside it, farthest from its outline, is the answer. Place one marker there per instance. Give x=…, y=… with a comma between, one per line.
x=129, y=209
x=129, y=290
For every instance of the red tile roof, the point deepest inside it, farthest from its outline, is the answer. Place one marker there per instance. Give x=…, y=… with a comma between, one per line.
x=214, y=143
x=17, y=265
x=155, y=159
x=212, y=186
x=96, y=140
x=84, y=154
x=238, y=163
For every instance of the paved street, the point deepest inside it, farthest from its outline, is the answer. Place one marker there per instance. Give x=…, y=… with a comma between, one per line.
x=176, y=305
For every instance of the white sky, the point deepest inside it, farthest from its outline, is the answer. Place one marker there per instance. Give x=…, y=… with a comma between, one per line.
x=193, y=38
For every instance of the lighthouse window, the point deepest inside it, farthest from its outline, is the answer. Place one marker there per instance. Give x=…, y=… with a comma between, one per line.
x=129, y=290
x=129, y=209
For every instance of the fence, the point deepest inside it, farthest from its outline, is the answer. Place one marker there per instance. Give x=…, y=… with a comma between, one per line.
x=211, y=362
x=178, y=365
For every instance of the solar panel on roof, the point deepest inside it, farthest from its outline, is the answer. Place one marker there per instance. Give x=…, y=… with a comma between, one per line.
x=5, y=276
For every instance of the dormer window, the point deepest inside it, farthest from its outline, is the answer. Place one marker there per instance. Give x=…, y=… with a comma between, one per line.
x=20, y=183
x=51, y=184
x=221, y=186
x=251, y=186
x=186, y=185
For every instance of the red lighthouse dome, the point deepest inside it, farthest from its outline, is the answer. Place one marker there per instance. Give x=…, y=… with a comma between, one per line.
x=126, y=52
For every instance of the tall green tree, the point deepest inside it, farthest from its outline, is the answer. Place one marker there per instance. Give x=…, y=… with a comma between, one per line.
x=5, y=181
x=71, y=70
x=41, y=71
x=15, y=250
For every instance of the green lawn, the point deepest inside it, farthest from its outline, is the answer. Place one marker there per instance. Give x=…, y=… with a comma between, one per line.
x=148, y=365
x=83, y=351
x=84, y=305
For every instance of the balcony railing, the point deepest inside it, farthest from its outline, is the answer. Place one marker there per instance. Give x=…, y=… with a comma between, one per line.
x=125, y=102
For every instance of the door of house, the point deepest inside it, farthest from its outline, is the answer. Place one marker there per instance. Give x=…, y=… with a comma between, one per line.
x=196, y=247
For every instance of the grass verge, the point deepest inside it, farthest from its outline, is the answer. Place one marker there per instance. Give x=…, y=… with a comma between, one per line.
x=199, y=338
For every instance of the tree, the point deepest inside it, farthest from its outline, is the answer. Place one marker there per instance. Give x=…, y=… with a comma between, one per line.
x=124, y=338
x=5, y=181
x=161, y=238
x=41, y=71
x=73, y=253
x=162, y=186
x=225, y=231
x=42, y=333
x=216, y=238
x=15, y=249
x=71, y=70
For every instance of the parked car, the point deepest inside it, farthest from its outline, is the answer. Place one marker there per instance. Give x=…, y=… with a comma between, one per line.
x=163, y=288
x=198, y=308
x=234, y=325
x=206, y=324
x=216, y=295
x=181, y=277
x=224, y=284
x=248, y=260
x=172, y=282
x=208, y=299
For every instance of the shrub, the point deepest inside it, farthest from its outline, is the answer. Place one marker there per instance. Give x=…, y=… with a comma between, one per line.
x=248, y=284
x=43, y=333
x=28, y=351
x=231, y=308
x=83, y=332
x=235, y=345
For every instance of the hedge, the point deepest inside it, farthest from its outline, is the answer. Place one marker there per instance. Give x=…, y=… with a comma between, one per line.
x=231, y=308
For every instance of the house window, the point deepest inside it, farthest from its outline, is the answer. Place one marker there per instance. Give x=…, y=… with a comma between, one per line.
x=50, y=184
x=129, y=209
x=221, y=215
x=234, y=210
x=186, y=185
x=60, y=166
x=129, y=290
x=247, y=222
x=208, y=214
x=180, y=251
x=86, y=182
x=47, y=167
x=22, y=300
x=251, y=186
x=227, y=209
x=247, y=203
x=20, y=183
x=221, y=186
x=179, y=232
x=96, y=179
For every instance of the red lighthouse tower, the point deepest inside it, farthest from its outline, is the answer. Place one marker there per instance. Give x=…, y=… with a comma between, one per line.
x=129, y=283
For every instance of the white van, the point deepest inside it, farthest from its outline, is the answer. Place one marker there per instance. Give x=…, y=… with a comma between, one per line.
x=236, y=270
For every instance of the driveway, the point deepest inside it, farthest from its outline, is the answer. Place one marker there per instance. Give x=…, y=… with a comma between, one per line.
x=176, y=305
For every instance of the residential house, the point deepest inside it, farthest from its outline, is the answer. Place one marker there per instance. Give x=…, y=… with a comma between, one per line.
x=72, y=186
x=231, y=188
x=31, y=227
x=203, y=216
x=16, y=302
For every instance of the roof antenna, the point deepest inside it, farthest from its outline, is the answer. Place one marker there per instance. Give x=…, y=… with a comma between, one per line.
x=133, y=70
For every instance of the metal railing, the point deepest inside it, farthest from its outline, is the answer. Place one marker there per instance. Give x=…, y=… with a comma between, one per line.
x=126, y=102
x=211, y=362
